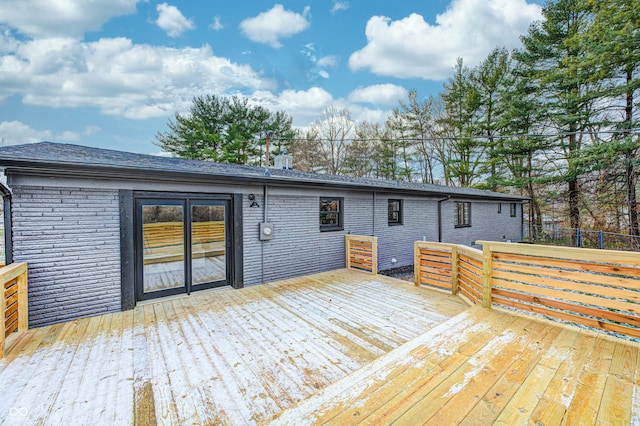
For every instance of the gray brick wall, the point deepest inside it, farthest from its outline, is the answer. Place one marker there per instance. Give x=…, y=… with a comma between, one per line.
x=420, y=219
x=298, y=247
x=486, y=223
x=70, y=238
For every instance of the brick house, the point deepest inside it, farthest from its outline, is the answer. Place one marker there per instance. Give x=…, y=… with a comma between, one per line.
x=102, y=230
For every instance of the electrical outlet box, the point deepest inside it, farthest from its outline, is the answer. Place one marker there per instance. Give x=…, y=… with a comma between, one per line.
x=266, y=231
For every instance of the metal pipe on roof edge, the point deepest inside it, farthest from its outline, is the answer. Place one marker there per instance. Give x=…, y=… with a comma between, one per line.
x=265, y=194
x=8, y=234
x=373, y=216
x=440, y=216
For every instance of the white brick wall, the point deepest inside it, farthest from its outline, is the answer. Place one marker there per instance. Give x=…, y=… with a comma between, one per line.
x=70, y=238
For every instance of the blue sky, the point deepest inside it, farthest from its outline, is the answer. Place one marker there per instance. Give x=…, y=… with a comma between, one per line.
x=109, y=73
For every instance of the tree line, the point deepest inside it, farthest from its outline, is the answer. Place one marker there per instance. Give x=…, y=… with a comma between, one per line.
x=555, y=119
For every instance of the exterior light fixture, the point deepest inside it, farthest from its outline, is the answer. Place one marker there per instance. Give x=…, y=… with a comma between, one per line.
x=254, y=203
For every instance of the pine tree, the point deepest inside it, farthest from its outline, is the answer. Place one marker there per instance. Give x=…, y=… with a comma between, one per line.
x=614, y=52
x=555, y=64
x=226, y=130
x=460, y=126
x=490, y=78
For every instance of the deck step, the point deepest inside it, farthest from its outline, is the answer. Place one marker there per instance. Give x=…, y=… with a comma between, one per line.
x=375, y=385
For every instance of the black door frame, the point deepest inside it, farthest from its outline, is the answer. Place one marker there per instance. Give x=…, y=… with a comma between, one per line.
x=128, y=239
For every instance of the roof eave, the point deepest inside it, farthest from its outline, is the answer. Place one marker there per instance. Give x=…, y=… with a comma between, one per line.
x=129, y=173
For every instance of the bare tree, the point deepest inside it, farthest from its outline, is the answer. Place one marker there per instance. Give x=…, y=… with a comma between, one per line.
x=334, y=130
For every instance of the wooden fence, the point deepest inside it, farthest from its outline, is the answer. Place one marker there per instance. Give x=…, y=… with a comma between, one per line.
x=362, y=253
x=449, y=267
x=596, y=288
x=15, y=316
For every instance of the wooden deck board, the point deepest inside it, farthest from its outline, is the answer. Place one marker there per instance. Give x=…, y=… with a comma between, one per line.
x=342, y=347
x=511, y=369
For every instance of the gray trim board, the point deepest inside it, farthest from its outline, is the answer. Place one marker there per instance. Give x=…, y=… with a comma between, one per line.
x=127, y=250
x=6, y=217
x=237, y=273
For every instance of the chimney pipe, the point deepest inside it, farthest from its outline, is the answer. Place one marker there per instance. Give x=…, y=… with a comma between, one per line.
x=266, y=153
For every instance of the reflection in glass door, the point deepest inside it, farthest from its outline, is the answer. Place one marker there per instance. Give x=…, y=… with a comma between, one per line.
x=182, y=245
x=208, y=243
x=163, y=247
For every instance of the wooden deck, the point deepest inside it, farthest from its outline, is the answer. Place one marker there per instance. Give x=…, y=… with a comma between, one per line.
x=341, y=347
x=488, y=367
x=222, y=356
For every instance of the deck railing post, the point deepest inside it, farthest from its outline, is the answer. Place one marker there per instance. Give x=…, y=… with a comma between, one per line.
x=366, y=255
x=23, y=302
x=454, y=269
x=487, y=267
x=374, y=255
x=2, y=325
x=347, y=241
x=14, y=312
x=416, y=263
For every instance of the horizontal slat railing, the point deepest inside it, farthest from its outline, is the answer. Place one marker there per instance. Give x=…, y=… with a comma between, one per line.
x=595, y=288
x=13, y=280
x=362, y=253
x=470, y=273
x=433, y=265
x=451, y=267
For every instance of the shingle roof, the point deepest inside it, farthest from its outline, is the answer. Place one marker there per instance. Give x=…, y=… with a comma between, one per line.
x=67, y=157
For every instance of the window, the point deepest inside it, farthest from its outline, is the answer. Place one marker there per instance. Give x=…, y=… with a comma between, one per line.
x=395, y=212
x=331, y=214
x=499, y=208
x=462, y=214
x=512, y=209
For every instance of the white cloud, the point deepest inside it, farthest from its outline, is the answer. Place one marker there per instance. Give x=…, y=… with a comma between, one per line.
x=216, y=24
x=116, y=76
x=276, y=23
x=91, y=130
x=328, y=61
x=171, y=20
x=379, y=94
x=16, y=133
x=339, y=5
x=304, y=106
x=411, y=47
x=323, y=74
x=68, y=18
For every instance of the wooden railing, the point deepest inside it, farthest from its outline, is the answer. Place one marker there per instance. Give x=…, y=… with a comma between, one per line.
x=362, y=253
x=449, y=267
x=469, y=273
x=15, y=315
x=595, y=288
x=433, y=265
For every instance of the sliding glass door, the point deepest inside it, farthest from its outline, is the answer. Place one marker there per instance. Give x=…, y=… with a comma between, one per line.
x=208, y=242
x=183, y=245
